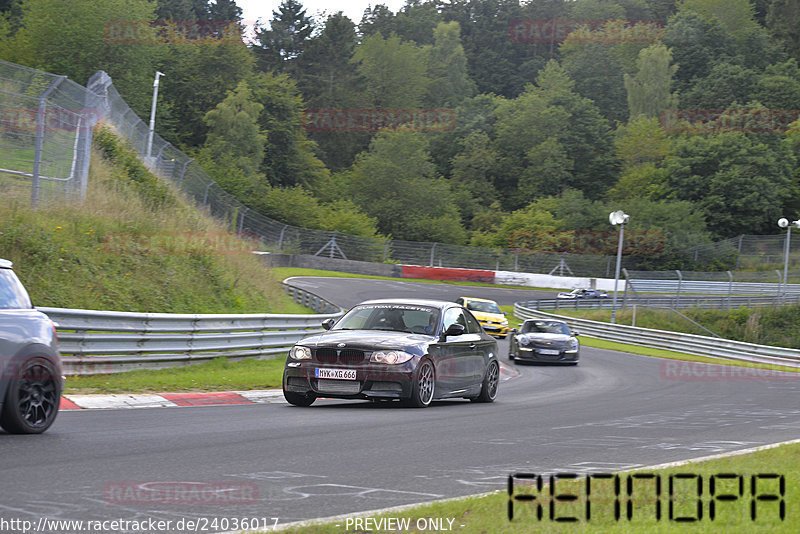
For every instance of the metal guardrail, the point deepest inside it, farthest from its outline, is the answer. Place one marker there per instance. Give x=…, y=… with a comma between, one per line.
x=683, y=301
x=677, y=341
x=100, y=342
x=713, y=287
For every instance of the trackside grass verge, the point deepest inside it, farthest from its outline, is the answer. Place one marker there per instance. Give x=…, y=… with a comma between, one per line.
x=216, y=375
x=685, y=507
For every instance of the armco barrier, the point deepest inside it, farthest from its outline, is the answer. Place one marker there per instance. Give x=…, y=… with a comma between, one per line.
x=677, y=341
x=98, y=342
x=652, y=301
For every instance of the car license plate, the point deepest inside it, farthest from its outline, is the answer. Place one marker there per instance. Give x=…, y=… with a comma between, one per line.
x=549, y=351
x=336, y=374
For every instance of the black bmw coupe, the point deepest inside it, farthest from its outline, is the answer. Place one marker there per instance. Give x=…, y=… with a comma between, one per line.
x=415, y=351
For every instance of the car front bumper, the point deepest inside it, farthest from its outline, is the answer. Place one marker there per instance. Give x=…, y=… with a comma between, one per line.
x=372, y=381
x=532, y=355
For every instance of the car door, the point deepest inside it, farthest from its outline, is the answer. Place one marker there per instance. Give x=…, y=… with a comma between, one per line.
x=454, y=367
x=481, y=349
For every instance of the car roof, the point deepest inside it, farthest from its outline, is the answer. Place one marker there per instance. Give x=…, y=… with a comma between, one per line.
x=441, y=304
x=544, y=319
x=5, y=264
x=478, y=298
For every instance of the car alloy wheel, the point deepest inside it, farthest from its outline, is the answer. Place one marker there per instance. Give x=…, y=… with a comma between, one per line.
x=490, y=383
x=424, y=385
x=32, y=400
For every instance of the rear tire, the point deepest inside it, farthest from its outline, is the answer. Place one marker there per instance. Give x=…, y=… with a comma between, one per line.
x=298, y=399
x=32, y=398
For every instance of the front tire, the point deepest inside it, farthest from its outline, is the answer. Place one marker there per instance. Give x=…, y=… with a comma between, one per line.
x=490, y=383
x=424, y=386
x=297, y=399
x=32, y=399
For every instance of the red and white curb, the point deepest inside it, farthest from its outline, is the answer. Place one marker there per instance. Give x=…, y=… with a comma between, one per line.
x=165, y=400
x=216, y=398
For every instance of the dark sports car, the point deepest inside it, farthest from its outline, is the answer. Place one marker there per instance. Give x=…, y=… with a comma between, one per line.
x=416, y=351
x=544, y=340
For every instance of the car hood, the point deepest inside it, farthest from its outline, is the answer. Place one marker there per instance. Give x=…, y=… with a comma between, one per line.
x=539, y=337
x=366, y=339
x=494, y=317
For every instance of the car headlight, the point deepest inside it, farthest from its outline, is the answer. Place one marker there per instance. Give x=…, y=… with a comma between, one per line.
x=300, y=353
x=573, y=347
x=504, y=322
x=390, y=357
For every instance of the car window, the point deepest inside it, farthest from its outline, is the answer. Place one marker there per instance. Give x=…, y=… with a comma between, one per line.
x=473, y=326
x=400, y=318
x=454, y=316
x=485, y=307
x=546, y=327
x=12, y=294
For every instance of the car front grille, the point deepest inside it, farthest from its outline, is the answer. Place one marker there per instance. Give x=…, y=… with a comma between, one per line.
x=346, y=356
x=342, y=387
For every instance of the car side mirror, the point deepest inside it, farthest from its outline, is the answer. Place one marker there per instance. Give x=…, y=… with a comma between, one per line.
x=327, y=324
x=455, y=330
x=575, y=333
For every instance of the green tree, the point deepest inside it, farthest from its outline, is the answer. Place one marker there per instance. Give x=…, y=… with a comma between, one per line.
x=290, y=157
x=783, y=22
x=283, y=43
x=233, y=132
x=394, y=71
x=649, y=90
x=395, y=183
x=447, y=68
x=743, y=185
x=197, y=78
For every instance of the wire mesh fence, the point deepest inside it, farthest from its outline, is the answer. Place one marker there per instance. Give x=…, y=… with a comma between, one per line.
x=46, y=124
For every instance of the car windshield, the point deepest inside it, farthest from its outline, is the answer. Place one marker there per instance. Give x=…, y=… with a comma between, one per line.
x=12, y=294
x=482, y=306
x=394, y=317
x=545, y=327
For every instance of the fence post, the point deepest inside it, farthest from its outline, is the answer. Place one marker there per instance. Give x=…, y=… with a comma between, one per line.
x=433, y=248
x=678, y=295
x=205, y=194
x=730, y=289
x=37, y=151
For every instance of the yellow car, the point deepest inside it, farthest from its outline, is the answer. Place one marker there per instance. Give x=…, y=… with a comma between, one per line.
x=488, y=313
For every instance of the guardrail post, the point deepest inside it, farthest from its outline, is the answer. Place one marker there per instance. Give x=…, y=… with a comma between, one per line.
x=678, y=295
x=730, y=288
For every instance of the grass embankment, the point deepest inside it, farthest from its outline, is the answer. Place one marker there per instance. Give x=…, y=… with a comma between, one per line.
x=489, y=515
x=779, y=326
x=133, y=245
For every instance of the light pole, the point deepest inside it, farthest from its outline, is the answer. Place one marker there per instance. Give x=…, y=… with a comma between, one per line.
x=153, y=114
x=617, y=218
x=784, y=223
